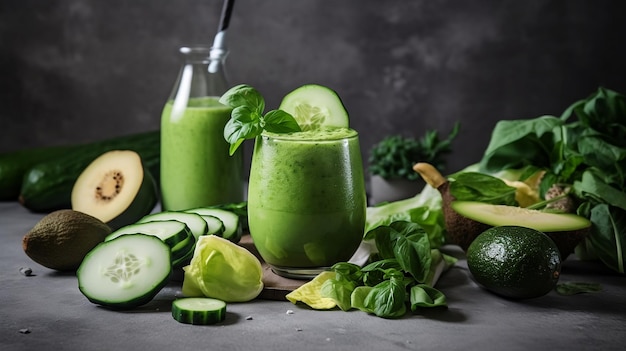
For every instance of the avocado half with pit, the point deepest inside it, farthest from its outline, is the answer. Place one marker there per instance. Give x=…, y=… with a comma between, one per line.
x=565, y=229
x=465, y=220
x=116, y=188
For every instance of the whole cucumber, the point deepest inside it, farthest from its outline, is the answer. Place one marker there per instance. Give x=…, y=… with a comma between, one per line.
x=47, y=186
x=14, y=164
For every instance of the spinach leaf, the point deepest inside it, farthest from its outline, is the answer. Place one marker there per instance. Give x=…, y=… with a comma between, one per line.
x=573, y=288
x=517, y=143
x=608, y=235
x=591, y=187
x=605, y=112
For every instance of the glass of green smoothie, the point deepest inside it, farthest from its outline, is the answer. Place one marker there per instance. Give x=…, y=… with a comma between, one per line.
x=306, y=199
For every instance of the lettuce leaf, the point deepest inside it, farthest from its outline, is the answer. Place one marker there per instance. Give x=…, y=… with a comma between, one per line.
x=223, y=270
x=424, y=209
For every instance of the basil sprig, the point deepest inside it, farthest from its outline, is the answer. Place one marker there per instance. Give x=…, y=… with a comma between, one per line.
x=247, y=119
x=401, y=274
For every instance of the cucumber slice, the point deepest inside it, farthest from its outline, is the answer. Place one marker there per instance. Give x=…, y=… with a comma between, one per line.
x=315, y=106
x=216, y=226
x=232, y=226
x=199, y=310
x=183, y=248
x=125, y=272
x=195, y=222
x=171, y=232
x=183, y=260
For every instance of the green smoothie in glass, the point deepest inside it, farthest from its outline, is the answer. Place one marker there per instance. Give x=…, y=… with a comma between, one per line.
x=196, y=169
x=306, y=199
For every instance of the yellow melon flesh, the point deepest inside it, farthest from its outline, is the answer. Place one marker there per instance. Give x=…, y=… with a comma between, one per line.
x=110, y=185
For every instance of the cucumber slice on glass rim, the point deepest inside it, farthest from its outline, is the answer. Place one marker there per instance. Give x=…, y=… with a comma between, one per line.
x=199, y=310
x=315, y=106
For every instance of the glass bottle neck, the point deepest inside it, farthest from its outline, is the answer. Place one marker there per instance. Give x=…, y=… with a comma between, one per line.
x=202, y=74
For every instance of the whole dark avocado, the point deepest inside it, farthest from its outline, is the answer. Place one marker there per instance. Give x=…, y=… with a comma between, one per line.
x=515, y=262
x=61, y=239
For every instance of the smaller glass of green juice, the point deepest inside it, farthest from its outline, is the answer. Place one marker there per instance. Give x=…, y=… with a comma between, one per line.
x=306, y=199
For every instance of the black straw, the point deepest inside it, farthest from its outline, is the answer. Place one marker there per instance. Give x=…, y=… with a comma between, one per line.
x=227, y=9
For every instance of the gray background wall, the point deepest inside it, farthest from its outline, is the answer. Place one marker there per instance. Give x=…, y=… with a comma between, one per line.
x=80, y=70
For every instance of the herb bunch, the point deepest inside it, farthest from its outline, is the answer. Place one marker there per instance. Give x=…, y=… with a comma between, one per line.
x=395, y=155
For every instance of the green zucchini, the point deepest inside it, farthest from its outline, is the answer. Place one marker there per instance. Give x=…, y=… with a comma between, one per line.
x=47, y=186
x=14, y=164
x=199, y=310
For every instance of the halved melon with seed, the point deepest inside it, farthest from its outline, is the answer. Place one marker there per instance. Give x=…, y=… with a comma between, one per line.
x=115, y=188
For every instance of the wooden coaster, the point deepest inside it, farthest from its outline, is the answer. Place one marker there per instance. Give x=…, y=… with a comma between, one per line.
x=275, y=286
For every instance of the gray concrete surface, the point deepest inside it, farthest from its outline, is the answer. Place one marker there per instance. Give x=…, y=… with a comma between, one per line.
x=47, y=312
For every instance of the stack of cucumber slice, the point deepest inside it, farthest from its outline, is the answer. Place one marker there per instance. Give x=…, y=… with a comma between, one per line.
x=138, y=258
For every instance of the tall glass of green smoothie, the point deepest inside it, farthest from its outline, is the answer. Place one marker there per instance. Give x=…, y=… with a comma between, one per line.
x=306, y=199
x=196, y=169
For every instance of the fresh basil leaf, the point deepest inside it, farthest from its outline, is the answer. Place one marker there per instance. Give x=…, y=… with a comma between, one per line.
x=475, y=186
x=242, y=125
x=573, y=288
x=247, y=120
x=382, y=236
x=340, y=290
x=413, y=255
x=348, y=271
x=244, y=95
x=357, y=298
x=374, y=273
x=388, y=299
x=406, y=228
x=422, y=295
x=278, y=121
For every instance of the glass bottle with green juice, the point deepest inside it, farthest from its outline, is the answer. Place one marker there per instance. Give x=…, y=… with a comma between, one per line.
x=196, y=168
